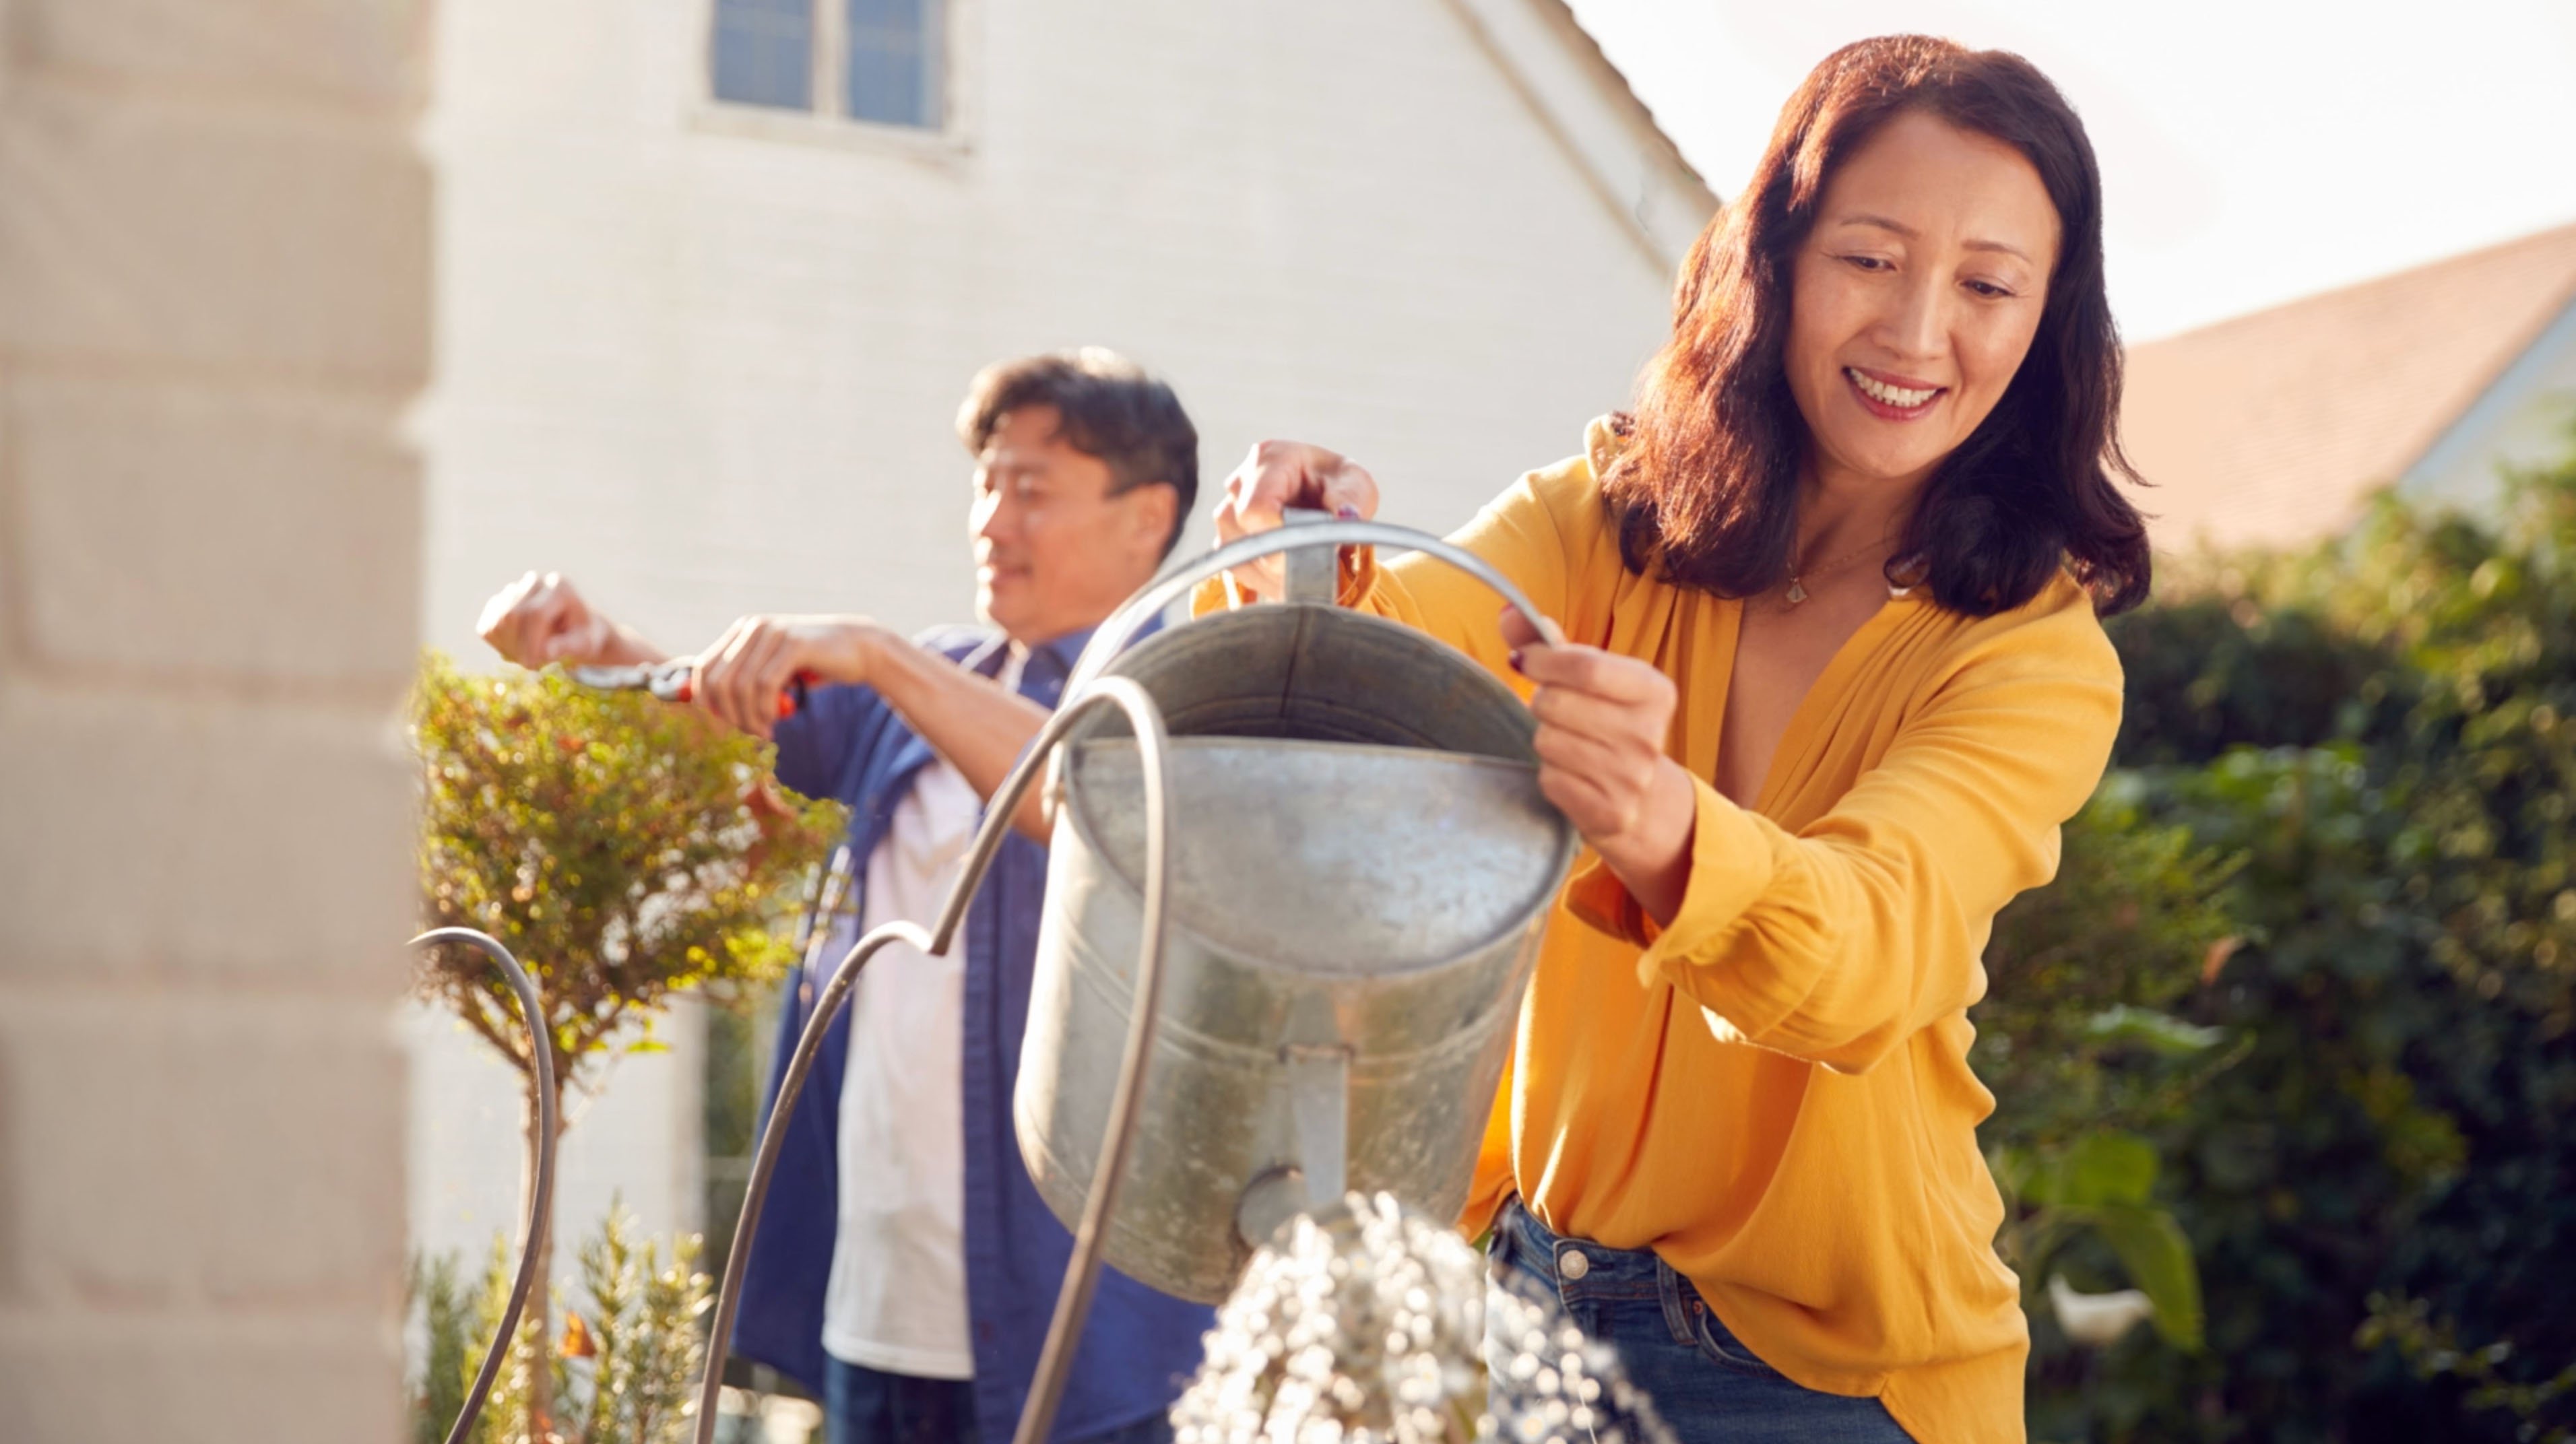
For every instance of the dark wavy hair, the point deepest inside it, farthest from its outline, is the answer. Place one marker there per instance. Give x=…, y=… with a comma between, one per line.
x=1107, y=407
x=1706, y=491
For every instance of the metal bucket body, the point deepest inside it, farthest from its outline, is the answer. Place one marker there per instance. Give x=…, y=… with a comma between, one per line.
x=1362, y=861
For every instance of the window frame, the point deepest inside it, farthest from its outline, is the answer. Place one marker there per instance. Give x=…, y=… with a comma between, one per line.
x=828, y=122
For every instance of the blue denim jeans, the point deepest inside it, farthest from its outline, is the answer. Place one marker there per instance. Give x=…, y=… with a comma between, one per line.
x=1701, y=1379
x=869, y=1406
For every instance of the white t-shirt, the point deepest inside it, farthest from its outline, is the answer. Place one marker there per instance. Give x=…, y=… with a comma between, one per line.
x=897, y=1297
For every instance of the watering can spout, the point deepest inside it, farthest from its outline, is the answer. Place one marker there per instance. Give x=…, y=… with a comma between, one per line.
x=1319, y=1103
x=1319, y=1081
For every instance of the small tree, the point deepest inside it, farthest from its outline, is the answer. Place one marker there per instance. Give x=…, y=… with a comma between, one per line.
x=624, y=849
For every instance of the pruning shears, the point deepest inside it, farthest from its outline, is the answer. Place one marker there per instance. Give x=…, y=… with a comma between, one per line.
x=677, y=681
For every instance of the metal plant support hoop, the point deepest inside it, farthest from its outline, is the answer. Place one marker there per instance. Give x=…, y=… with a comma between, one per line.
x=541, y=1195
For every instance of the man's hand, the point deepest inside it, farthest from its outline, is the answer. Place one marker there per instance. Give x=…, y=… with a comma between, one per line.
x=740, y=676
x=1276, y=476
x=539, y=619
x=1603, y=720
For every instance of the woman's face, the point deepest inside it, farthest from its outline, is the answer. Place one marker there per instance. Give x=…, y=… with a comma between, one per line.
x=1915, y=297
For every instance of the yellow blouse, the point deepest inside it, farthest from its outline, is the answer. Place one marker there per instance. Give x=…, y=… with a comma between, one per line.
x=1773, y=1092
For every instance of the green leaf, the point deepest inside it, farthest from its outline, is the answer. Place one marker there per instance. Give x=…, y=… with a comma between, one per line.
x=2098, y=1169
x=646, y=1045
x=2161, y=1032
x=2151, y=1246
x=2014, y=1166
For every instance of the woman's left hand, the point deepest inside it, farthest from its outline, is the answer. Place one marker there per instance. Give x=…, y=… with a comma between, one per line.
x=1603, y=720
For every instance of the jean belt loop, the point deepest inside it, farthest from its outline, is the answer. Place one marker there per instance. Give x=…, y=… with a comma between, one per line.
x=1676, y=1293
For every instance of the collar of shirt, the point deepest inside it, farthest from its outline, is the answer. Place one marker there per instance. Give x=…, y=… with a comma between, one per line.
x=1044, y=667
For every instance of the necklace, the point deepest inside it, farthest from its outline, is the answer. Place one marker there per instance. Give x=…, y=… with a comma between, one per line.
x=1797, y=591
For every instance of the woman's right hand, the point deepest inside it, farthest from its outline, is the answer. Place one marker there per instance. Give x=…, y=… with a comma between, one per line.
x=1276, y=476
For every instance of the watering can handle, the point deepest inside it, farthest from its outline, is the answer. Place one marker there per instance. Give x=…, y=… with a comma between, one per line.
x=1307, y=534
x=1314, y=574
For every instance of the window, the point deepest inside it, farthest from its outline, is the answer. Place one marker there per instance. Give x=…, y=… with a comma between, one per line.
x=764, y=52
x=874, y=60
x=893, y=70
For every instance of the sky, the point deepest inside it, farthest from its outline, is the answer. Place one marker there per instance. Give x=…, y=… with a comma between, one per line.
x=2252, y=152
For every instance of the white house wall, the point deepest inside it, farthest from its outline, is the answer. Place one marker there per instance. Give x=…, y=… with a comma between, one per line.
x=633, y=1141
x=706, y=361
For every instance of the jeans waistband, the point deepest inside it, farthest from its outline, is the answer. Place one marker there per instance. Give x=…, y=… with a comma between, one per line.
x=1529, y=1244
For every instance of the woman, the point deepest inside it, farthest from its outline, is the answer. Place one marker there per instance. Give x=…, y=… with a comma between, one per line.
x=1831, y=678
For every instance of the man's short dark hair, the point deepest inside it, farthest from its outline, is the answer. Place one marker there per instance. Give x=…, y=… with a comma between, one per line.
x=1109, y=407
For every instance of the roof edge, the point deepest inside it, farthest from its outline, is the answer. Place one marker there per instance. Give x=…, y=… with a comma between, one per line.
x=2367, y=283
x=1579, y=96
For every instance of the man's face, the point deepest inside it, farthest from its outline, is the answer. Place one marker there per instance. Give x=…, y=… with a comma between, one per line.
x=1054, y=551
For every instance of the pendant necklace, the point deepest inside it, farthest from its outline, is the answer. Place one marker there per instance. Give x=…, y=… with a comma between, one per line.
x=1797, y=591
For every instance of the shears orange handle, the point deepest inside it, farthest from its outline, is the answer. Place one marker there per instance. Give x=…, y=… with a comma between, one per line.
x=677, y=681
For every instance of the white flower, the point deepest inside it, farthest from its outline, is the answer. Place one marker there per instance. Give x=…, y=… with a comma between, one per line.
x=2097, y=1320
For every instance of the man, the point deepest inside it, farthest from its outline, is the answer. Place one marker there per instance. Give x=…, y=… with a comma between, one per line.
x=906, y=1269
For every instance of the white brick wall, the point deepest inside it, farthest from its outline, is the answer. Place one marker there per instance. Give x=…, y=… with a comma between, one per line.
x=316, y=579
x=214, y=304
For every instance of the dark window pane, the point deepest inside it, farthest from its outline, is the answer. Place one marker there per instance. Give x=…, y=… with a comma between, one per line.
x=895, y=61
x=764, y=52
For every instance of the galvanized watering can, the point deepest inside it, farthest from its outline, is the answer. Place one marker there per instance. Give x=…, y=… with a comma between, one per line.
x=1361, y=868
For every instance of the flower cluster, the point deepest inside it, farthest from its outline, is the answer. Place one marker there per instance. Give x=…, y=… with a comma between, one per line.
x=1370, y=1324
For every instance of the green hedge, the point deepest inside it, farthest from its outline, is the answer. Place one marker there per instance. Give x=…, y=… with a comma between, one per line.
x=2352, y=771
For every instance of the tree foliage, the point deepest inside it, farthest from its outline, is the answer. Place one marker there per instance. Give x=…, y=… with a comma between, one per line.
x=622, y=848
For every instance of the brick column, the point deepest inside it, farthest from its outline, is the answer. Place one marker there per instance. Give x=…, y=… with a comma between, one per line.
x=214, y=306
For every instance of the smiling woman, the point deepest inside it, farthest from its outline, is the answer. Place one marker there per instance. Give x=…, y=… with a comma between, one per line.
x=1931, y=254
x=1919, y=206
x=1831, y=675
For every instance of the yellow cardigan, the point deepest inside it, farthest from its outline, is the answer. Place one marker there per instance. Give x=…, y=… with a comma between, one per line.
x=1773, y=1093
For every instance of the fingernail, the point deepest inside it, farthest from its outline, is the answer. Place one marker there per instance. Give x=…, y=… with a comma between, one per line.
x=1516, y=659
x=1348, y=513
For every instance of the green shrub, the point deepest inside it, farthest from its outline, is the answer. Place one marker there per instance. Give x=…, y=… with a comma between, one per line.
x=2082, y=1044
x=623, y=1371
x=2388, y=1167
x=2212, y=671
